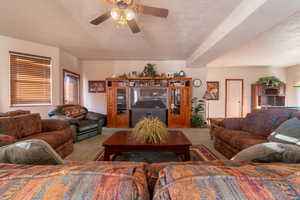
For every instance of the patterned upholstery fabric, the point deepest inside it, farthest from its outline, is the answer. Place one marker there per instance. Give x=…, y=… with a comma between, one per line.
x=154, y=169
x=101, y=181
x=261, y=122
x=234, y=135
x=29, y=124
x=14, y=113
x=190, y=182
x=8, y=126
x=240, y=139
x=54, y=138
x=233, y=123
x=52, y=125
x=6, y=140
x=74, y=111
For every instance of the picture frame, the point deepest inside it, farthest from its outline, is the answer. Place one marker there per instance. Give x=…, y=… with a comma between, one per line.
x=97, y=86
x=213, y=89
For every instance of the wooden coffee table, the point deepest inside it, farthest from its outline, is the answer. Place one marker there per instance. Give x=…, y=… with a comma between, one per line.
x=122, y=141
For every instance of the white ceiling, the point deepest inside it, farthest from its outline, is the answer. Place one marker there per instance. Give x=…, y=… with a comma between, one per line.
x=65, y=24
x=278, y=47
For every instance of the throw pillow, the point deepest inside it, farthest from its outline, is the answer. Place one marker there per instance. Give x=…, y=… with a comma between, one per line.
x=270, y=152
x=288, y=132
x=35, y=152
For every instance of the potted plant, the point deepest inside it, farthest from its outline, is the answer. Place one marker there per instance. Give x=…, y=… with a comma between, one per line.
x=198, y=107
x=270, y=81
x=150, y=130
x=149, y=71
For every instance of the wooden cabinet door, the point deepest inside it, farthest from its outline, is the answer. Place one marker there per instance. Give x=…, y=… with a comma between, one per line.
x=121, y=107
x=179, y=111
x=110, y=107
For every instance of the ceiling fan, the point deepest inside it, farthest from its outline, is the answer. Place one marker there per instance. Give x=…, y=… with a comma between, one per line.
x=124, y=12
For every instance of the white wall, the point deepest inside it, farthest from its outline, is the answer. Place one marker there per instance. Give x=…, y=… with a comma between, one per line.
x=99, y=70
x=250, y=76
x=9, y=44
x=293, y=94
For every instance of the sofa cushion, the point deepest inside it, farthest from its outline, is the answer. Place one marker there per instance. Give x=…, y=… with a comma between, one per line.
x=8, y=126
x=270, y=152
x=288, y=132
x=240, y=139
x=74, y=111
x=28, y=124
x=87, y=125
x=261, y=122
x=36, y=152
x=54, y=138
x=14, y=113
x=6, y=140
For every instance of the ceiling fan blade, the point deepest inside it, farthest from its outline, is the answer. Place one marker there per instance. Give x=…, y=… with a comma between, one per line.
x=133, y=26
x=101, y=18
x=148, y=10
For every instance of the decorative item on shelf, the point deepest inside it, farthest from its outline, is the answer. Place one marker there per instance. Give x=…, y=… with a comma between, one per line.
x=150, y=71
x=198, y=110
x=97, y=86
x=124, y=75
x=297, y=85
x=176, y=75
x=151, y=131
x=197, y=83
x=182, y=73
x=212, y=91
x=134, y=74
x=270, y=81
x=163, y=75
x=170, y=75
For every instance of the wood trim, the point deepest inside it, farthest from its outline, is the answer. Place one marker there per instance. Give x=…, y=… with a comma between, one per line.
x=226, y=95
x=63, y=79
x=29, y=55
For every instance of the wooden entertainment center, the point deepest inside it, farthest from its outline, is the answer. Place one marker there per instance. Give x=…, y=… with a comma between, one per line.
x=171, y=97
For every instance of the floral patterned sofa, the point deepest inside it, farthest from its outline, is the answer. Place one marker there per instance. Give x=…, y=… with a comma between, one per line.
x=21, y=125
x=232, y=135
x=135, y=181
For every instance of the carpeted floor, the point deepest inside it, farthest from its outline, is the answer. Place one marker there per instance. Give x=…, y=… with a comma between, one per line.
x=86, y=150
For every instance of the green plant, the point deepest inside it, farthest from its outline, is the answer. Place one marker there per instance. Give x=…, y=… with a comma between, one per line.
x=270, y=81
x=150, y=130
x=198, y=107
x=149, y=71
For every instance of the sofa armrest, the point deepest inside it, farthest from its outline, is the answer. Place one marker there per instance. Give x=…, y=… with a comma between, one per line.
x=232, y=123
x=6, y=140
x=54, y=124
x=95, y=116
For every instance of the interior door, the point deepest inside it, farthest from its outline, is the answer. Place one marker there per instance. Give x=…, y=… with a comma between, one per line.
x=234, y=97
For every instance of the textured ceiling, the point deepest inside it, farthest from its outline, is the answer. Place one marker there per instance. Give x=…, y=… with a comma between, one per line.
x=278, y=47
x=65, y=24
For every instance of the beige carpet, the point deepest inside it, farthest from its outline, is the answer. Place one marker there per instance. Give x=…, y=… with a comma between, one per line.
x=86, y=150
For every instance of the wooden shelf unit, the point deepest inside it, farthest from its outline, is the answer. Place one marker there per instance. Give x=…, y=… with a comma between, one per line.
x=179, y=99
x=264, y=96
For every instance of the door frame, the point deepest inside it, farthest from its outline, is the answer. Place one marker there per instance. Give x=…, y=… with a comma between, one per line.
x=64, y=85
x=226, y=95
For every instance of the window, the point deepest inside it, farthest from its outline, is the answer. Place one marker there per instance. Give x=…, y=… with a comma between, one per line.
x=71, y=87
x=30, y=78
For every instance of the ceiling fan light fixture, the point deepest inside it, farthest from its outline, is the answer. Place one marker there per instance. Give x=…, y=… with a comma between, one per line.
x=130, y=15
x=115, y=13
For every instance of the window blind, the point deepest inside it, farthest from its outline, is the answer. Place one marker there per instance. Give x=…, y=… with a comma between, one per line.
x=30, y=78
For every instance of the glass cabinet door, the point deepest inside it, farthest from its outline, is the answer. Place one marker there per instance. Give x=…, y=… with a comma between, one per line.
x=176, y=101
x=121, y=101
